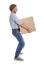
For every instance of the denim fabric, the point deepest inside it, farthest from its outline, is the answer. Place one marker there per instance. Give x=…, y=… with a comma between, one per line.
x=20, y=39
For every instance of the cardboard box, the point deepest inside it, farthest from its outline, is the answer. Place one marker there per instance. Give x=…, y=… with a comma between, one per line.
x=30, y=23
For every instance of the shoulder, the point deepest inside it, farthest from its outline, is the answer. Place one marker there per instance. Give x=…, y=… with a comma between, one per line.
x=12, y=15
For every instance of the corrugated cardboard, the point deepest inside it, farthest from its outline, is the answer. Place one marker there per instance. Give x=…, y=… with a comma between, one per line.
x=30, y=23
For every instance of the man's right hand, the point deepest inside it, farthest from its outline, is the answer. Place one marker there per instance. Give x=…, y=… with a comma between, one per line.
x=26, y=27
x=29, y=30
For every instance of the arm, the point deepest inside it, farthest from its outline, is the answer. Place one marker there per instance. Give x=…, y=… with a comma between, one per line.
x=17, y=21
x=26, y=27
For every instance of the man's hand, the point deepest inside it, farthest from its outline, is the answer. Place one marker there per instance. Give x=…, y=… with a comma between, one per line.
x=29, y=30
x=26, y=28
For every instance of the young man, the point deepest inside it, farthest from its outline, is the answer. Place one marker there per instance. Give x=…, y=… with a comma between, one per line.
x=15, y=23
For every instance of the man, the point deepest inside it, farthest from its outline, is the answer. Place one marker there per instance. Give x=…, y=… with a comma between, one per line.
x=15, y=23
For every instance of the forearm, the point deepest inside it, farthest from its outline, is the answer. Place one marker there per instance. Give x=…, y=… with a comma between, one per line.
x=24, y=26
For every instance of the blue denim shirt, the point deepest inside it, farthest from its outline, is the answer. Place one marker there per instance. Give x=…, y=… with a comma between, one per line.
x=14, y=21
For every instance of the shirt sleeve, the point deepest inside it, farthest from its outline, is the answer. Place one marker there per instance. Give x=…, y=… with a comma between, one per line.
x=16, y=20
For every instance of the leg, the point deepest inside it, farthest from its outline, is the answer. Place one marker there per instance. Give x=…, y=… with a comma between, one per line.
x=19, y=37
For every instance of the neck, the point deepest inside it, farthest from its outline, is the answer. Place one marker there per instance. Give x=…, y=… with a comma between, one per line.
x=13, y=12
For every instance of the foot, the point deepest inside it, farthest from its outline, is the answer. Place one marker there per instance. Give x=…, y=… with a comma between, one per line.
x=19, y=59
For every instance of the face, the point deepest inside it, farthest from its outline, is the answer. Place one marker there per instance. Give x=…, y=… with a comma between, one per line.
x=15, y=9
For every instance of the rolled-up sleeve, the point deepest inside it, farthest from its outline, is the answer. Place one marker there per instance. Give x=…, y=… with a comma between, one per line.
x=16, y=20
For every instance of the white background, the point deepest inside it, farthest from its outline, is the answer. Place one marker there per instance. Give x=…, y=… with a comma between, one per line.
x=34, y=42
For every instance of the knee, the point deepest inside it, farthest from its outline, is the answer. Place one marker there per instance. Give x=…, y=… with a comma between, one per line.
x=23, y=44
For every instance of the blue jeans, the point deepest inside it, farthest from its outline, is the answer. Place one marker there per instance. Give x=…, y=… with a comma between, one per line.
x=21, y=44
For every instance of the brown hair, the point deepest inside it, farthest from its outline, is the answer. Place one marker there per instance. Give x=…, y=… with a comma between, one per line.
x=12, y=6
